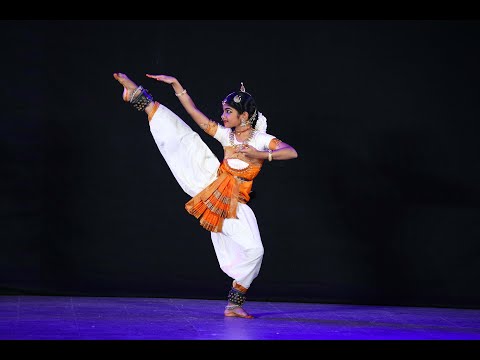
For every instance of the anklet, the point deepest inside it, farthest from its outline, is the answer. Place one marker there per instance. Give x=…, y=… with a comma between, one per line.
x=140, y=88
x=231, y=307
x=143, y=100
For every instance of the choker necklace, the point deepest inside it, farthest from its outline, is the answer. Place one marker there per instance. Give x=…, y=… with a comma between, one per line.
x=241, y=132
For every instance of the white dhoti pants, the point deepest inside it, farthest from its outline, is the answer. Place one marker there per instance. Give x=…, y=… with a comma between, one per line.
x=238, y=247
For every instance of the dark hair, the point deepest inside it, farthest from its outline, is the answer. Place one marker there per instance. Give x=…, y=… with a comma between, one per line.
x=243, y=101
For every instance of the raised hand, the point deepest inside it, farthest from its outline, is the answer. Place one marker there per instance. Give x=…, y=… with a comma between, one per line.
x=164, y=78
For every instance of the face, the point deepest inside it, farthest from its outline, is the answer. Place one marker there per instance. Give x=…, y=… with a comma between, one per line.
x=230, y=117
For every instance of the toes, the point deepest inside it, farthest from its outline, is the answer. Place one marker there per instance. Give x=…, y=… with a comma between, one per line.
x=243, y=315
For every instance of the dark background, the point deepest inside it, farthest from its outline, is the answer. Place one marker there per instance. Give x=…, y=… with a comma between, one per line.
x=381, y=206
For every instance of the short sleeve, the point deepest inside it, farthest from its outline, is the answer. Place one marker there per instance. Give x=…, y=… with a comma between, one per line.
x=222, y=134
x=273, y=144
x=211, y=128
x=266, y=141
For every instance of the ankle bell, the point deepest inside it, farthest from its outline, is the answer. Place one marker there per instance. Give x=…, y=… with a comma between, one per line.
x=142, y=100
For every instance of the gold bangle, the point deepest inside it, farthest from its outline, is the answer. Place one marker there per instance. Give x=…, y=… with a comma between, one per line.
x=181, y=93
x=270, y=158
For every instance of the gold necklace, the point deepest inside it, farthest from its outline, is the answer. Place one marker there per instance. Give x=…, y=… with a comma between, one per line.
x=241, y=132
x=246, y=141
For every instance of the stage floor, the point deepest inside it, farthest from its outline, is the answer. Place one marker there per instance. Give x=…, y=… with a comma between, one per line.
x=114, y=318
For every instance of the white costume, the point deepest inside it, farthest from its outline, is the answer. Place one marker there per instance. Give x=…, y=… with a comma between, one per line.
x=237, y=243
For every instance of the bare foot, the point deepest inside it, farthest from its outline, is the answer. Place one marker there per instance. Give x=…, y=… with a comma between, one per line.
x=128, y=85
x=237, y=312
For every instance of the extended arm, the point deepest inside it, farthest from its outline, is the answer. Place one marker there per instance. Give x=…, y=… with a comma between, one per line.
x=185, y=99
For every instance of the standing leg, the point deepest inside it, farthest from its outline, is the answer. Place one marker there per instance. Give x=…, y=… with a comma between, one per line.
x=239, y=252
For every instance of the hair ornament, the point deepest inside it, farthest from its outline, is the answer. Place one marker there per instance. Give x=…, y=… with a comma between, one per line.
x=261, y=125
x=242, y=88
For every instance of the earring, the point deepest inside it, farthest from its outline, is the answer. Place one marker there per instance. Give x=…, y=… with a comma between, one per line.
x=243, y=122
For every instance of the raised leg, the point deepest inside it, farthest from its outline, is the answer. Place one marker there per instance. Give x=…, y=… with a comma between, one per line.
x=138, y=96
x=128, y=85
